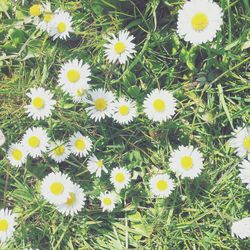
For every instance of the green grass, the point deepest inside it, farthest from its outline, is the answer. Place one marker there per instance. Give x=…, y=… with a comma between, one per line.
x=211, y=84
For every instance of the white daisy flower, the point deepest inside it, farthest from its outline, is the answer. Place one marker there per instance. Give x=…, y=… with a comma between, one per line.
x=56, y=188
x=80, y=145
x=35, y=141
x=241, y=141
x=41, y=104
x=120, y=48
x=161, y=185
x=79, y=94
x=61, y=25
x=102, y=104
x=120, y=178
x=96, y=166
x=108, y=201
x=159, y=105
x=2, y=138
x=7, y=222
x=59, y=151
x=124, y=111
x=199, y=20
x=17, y=154
x=186, y=162
x=47, y=18
x=74, y=75
x=245, y=172
x=241, y=228
x=74, y=203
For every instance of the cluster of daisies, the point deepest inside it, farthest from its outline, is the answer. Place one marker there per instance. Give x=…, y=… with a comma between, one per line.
x=57, y=24
x=198, y=22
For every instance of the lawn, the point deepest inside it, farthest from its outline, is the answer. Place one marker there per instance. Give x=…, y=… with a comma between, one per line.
x=211, y=85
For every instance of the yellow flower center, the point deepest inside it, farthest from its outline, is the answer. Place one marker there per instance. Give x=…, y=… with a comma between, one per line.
x=100, y=104
x=159, y=105
x=80, y=144
x=187, y=162
x=107, y=201
x=71, y=200
x=34, y=141
x=56, y=188
x=4, y=225
x=17, y=154
x=199, y=21
x=38, y=102
x=36, y=10
x=81, y=92
x=120, y=177
x=59, y=150
x=162, y=185
x=246, y=143
x=73, y=75
x=48, y=17
x=119, y=47
x=123, y=110
x=100, y=164
x=61, y=27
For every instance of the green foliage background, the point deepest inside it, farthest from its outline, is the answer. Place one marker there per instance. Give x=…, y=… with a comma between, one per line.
x=211, y=84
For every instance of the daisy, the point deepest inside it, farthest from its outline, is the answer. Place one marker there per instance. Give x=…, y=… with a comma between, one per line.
x=186, y=162
x=120, y=178
x=241, y=141
x=17, y=154
x=36, y=10
x=80, y=94
x=80, y=145
x=108, y=201
x=199, y=20
x=124, y=111
x=96, y=166
x=241, y=228
x=47, y=18
x=245, y=172
x=120, y=48
x=56, y=188
x=161, y=185
x=2, y=138
x=41, y=104
x=102, y=104
x=61, y=25
x=159, y=105
x=7, y=222
x=74, y=75
x=35, y=141
x=59, y=151
x=74, y=203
